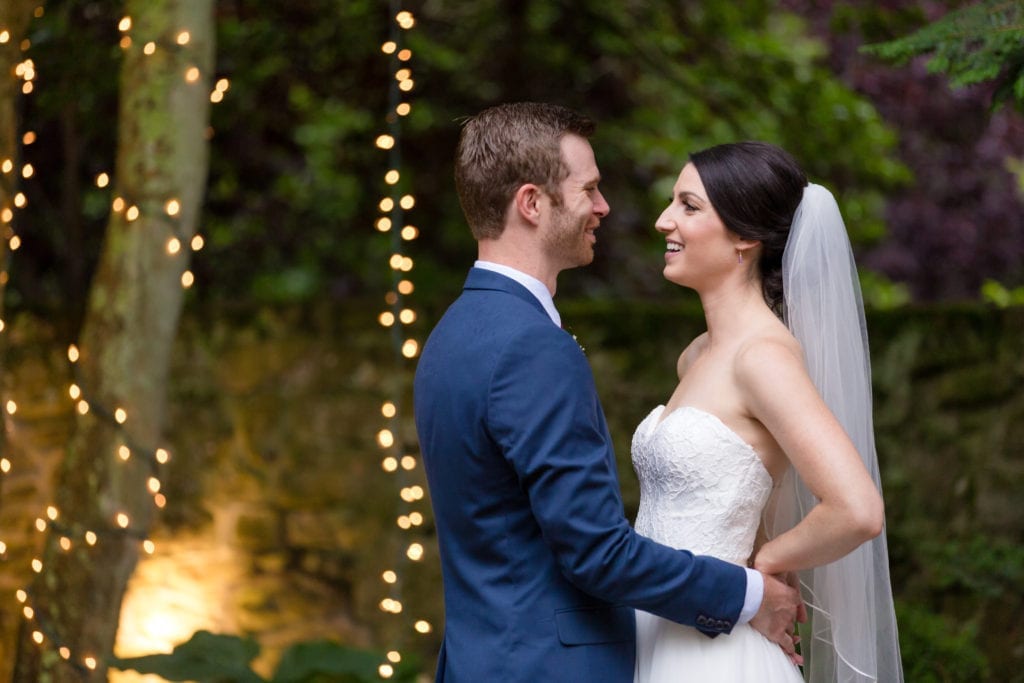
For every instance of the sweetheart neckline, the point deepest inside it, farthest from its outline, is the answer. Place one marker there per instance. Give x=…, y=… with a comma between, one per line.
x=663, y=417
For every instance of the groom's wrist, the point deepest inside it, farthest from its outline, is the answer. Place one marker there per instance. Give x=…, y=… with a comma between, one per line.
x=754, y=596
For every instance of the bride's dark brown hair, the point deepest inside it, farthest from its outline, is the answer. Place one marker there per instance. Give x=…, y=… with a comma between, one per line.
x=755, y=187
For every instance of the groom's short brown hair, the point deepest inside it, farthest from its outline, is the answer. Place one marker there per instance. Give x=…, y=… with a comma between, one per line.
x=506, y=146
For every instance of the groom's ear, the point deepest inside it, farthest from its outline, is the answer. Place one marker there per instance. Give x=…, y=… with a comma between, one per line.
x=527, y=203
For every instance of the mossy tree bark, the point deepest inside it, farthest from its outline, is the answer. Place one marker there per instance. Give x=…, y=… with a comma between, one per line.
x=129, y=329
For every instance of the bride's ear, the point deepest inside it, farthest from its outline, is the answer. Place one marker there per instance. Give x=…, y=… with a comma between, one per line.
x=527, y=203
x=747, y=249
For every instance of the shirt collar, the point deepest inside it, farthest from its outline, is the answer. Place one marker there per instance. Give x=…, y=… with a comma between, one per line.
x=535, y=286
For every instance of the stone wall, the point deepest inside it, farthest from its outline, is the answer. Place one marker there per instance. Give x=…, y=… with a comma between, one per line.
x=280, y=518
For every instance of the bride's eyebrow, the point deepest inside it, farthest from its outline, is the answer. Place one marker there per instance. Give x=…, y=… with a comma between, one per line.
x=686, y=195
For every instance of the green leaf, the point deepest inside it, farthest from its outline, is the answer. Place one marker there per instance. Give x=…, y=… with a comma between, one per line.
x=204, y=658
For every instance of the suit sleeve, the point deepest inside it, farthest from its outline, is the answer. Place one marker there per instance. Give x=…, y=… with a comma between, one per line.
x=544, y=414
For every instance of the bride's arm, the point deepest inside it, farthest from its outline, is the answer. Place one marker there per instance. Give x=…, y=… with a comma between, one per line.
x=780, y=394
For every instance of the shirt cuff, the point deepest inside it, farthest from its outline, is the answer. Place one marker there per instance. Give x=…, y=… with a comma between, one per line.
x=755, y=594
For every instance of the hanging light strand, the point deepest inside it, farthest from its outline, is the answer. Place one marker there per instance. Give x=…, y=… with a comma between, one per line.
x=398, y=317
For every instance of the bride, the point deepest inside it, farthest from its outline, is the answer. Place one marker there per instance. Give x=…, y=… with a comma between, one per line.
x=769, y=428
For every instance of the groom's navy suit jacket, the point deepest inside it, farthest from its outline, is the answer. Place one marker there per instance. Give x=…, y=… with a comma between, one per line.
x=541, y=569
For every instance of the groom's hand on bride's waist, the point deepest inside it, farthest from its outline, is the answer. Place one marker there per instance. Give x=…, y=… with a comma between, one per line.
x=781, y=608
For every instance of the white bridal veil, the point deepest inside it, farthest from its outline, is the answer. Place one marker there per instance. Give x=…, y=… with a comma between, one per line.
x=852, y=631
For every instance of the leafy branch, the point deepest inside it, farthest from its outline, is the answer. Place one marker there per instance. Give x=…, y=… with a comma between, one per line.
x=975, y=44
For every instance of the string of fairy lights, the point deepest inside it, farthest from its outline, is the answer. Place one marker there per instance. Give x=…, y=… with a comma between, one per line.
x=167, y=211
x=397, y=318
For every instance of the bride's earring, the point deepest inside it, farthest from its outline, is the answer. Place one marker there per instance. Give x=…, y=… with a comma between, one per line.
x=739, y=256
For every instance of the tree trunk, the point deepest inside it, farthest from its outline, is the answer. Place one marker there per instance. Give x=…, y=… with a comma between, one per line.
x=125, y=345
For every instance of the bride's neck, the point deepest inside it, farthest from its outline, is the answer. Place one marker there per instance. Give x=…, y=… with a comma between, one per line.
x=731, y=313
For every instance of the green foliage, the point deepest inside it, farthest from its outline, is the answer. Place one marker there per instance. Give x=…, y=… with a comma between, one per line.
x=215, y=658
x=881, y=293
x=975, y=44
x=996, y=293
x=935, y=649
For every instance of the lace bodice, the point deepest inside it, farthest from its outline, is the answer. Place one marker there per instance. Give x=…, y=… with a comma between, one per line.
x=702, y=487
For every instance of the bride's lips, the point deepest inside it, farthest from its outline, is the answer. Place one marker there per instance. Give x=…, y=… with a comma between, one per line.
x=671, y=253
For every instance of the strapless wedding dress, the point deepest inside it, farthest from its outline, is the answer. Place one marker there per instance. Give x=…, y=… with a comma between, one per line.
x=702, y=488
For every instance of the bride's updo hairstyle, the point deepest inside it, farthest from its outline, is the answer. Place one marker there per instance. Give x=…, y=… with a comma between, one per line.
x=755, y=187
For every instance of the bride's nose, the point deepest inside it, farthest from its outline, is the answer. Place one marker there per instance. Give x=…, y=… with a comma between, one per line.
x=663, y=224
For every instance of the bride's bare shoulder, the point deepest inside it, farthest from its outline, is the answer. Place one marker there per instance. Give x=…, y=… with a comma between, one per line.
x=690, y=353
x=771, y=350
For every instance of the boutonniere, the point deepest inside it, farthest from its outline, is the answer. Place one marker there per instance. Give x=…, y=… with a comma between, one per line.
x=575, y=339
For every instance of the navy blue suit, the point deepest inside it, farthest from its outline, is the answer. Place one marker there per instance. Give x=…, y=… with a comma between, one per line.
x=541, y=568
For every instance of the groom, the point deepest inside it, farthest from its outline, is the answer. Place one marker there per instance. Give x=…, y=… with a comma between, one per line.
x=541, y=568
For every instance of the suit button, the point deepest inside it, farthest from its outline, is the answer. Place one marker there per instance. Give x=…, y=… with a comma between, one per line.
x=702, y=620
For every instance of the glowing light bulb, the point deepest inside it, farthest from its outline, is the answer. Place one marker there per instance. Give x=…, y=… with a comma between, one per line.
x=173, y=246
x=406, y=85
x=90, y=663
x=392, y=177
x=28, y=612
x=27, y=171
x=187, y=279
x=422, y=626
x=120, y=415
x=410, y=232
x=385, y=671
x=222, y=85
x=172, y=207
x=149, y=546
x=28, y=138
x=132, y=213
x=20, y=200
x=217, y=96
x=65, y=543
x=12, y=407
x=407, y=202
x=40, y=525
x=122, y=520
x=183, y=38
x=406, y=287
x=403, y=109
x=388, y=410
x=5, y=37
x=153, y=484
x=124, y=452
x=415, y=552
x=65, y=652
x=385, y=438
x=197, y=243
x=149, y=48
x=408, y=462
x=102, y=180
x=5, y=465
x=37, y=637
x=192, y=74
x=383, y=224
x=404, y=55
x=410, y=348
x=389, y=576
x=125, y=24
x=395, y=261
x=390, y=464
x=7, y=166
x=416, y=518
x=403, y=74
x=386, y=319
x=14, y=243
x=90, y=537
x=52, y=512
x=37, y=566
x=388, y=47
x=385, y=141
x=162, y=456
